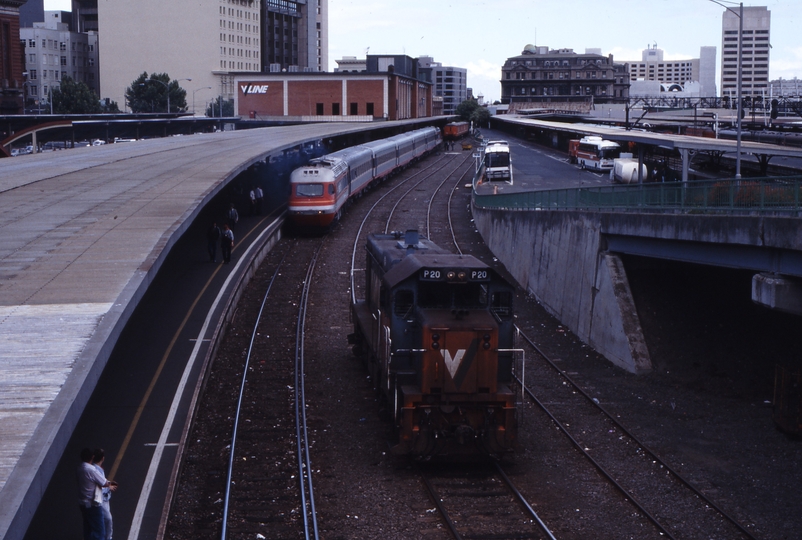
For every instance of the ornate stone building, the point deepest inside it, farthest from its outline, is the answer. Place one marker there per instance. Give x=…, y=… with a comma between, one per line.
x=542, y=75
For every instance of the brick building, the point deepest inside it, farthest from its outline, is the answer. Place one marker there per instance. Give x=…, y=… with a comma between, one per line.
x=332, y=96
x=12, y=82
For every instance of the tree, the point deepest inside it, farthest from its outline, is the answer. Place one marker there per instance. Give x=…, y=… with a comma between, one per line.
x=466, y=109
x=109, y=106
x=73, y=97
x=149, y=94
x=213, y=110
x=480, y=117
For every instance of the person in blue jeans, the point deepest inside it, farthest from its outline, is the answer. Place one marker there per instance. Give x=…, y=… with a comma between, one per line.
x=97, y=461
x=89, y=477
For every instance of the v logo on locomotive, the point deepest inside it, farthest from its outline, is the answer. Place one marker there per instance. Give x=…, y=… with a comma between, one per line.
x=453, y=362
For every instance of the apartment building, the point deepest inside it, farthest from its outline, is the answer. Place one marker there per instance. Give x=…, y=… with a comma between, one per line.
x=52, y=52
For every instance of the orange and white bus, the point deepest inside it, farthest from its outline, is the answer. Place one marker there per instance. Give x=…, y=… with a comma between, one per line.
x=593, y=153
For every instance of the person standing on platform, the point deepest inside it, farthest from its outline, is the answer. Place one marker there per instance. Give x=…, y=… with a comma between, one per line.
x=212, y=238
x=233, y=217
x=252, y=199
x=260, y=197
x=97, y=461
x=227, y=243
x=89, y=478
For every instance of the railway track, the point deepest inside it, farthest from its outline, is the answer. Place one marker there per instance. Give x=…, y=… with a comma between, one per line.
x=261, y=482
x=482, y=502
x=360, y=491
x=655, y=488
x=638, y=473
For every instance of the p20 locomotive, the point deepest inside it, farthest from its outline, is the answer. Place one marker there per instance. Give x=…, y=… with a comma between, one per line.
x=436, y=330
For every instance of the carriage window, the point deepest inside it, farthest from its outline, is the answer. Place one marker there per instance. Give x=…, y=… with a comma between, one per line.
x=309, y=190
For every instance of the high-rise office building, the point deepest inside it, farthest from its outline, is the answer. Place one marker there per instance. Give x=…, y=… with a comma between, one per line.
x=755, y=47
x=450, y=83
x=30, y=12
x=84, y=15
x=202, y=40
x=295, y=35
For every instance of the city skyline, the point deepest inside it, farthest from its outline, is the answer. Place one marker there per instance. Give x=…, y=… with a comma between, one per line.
x=476, y=36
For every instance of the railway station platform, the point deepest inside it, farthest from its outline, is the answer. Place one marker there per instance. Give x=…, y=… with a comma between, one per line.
x=83, y=233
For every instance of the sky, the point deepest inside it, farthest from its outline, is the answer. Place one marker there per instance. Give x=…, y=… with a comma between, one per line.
x=480, y=35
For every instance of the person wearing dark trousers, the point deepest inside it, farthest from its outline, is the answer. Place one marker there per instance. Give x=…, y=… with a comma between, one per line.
x=227, y=243
x=212, y=238
x=233, y=217
x=91, y=482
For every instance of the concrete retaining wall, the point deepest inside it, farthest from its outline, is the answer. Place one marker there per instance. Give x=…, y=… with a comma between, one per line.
x=559, y=258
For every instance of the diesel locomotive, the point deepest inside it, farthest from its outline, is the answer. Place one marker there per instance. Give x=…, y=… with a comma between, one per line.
x=436, y=331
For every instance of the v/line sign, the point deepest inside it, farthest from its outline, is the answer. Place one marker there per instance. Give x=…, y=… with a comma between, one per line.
x=248, y=89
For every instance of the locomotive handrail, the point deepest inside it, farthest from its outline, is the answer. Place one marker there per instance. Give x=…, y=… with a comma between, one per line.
x=776, y=195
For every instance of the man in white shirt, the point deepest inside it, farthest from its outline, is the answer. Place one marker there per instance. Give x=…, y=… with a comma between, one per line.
x=89, y=477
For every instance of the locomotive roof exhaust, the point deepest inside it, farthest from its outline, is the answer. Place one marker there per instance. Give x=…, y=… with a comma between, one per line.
x=411, y=240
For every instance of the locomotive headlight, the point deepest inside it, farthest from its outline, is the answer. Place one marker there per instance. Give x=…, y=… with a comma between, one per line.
x=450, y=276
x=435, y=341
x=486, y=344
x=461, y=276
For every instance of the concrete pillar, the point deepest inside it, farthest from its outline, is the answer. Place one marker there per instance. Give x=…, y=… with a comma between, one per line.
x=640, y=164
x=686, y=163
x=777, y=292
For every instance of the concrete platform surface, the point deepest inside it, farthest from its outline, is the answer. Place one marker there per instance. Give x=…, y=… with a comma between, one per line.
x=82, y=234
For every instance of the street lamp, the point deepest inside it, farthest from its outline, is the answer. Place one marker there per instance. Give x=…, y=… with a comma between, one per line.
x=193, y=97
x=740, y=16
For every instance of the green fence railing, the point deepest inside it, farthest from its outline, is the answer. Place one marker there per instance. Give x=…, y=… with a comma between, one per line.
x=770, y=195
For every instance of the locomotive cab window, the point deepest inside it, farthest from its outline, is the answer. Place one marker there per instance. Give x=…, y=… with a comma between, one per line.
x=403, y=303
x=466, y=295
x=309, y=190
x=501, y=304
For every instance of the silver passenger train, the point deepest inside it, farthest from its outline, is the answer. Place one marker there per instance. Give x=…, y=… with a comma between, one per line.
x=320, y=190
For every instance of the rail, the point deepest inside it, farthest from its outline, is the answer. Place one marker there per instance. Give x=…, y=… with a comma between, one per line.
x=775, y=195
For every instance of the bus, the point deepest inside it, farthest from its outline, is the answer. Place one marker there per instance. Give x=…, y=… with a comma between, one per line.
x=498, y=165
x=593, y=153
